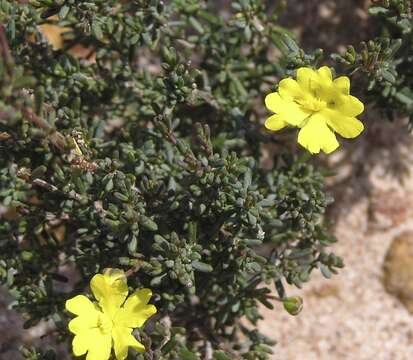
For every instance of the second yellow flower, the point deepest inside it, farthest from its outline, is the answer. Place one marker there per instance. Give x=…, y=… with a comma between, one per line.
x=319, y=106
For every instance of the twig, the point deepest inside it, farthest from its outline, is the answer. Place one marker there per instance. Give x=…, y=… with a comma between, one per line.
x=4, y=45
x=49, y=187
x=134, y=269
x=56, y=137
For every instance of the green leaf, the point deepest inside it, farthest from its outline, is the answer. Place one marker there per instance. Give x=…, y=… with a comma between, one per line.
x=291, y=43
x=24, y=82
x=202, y=267
x=64, y=10
x=148, y=223
x=185, y=354
x=196, y=25
x=97, y=30
x=387, y=75
x=220, y=355
x=378, y=10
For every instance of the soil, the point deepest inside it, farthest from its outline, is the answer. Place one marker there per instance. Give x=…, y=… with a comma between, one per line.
x=327, y=24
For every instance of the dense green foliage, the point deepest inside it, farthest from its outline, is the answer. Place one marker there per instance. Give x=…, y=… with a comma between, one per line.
x=146, y=155
x=383, y=66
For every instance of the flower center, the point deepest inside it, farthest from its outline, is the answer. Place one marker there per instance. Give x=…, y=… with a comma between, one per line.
x=105, y=324
x=313, y=104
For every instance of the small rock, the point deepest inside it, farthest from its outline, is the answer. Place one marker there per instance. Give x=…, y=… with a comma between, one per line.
x=398, y=269
x=389, y=208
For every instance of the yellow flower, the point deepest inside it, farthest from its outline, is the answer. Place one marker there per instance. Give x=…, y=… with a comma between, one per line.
x=111, y=319
x=319, y=106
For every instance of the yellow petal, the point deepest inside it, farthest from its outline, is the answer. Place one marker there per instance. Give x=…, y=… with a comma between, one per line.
x=84, y=322
x=113, y=275
x=110, y=289
x=79, y=345
x=348, y=127
x=325, y=73
x=290, y=111
x=100, y=347
x=275, y=123
x=343, y=84
x=274, y=102
x=349, y=106
x=306, y=77
x=316, y=136
x=82, y=341
x=136, y=310
x=122, y=340
x=289, y=89
x=138, y=298
x=79, y=304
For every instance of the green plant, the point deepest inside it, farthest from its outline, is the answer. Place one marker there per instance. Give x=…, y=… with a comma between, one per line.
x=383, y=65
x=145, y=155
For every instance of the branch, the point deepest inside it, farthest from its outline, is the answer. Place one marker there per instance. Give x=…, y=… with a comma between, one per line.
x=4, y=46
x=56, y=137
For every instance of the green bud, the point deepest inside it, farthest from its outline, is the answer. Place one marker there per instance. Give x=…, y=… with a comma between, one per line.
x=26, y=255
x=293, y=305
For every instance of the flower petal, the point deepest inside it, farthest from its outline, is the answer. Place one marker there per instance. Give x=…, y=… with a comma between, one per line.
x=84, y=322
x=274, y=102
x=316, y=136
x=289, y=89
x=325, y=73
x=349, y=105
x=82, y=341
x=275, y=123
x=306, y=78
x=136, y=310
x=110, y=289
x=138, y=298
x=343, y=84
x=122, y=340
x=290, y=111
x=100, y=347
x=348, y=127
x=79, y=304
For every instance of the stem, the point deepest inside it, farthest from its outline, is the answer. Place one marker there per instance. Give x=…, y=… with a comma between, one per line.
x=4, y=46
x=56, y=137
x=132, y=270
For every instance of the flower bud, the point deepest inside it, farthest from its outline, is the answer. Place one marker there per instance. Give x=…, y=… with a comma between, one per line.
x=293, y=305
